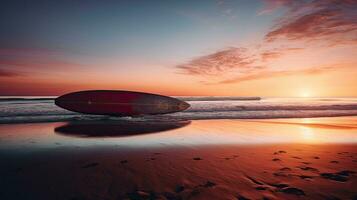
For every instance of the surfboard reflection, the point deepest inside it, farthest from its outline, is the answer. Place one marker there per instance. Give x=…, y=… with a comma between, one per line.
x=116, y=128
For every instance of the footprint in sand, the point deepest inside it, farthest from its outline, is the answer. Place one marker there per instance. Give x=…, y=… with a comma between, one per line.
x=305, y=177
x=334, y=177
x=279, y=152
x=306, y=163
x=197, y=158
x=285, y=169
x=292, y=190
x=169, y=195
x=261, y=188
x=209, y=184
x=254, y=181
x=241, y=197
x=179, y=188
x=90, y=165
x=150, y=159
x=334, y=161
x=123, y=161
x=232, y=157
x=279, y=185
x=341, y=153
x=141, y=195
x=280, y=174
x=199, y=188
x=341, y=176
x=285, y=188
x=346, y=172
x=276, y=159
x=308, y=169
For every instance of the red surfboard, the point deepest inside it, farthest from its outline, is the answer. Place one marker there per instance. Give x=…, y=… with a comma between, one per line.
x=119, y=103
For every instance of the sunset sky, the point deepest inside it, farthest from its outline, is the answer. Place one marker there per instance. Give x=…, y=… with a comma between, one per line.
x=283, y=48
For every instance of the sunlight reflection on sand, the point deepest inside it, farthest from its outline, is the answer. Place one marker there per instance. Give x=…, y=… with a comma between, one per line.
x=203, y=132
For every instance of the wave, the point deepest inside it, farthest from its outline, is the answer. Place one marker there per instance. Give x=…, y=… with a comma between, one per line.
x=264, y=114
x=272, y=108
x=182, y=116
x=26, y=99
x=183, y=98
x=209, y=98
x=44, y=110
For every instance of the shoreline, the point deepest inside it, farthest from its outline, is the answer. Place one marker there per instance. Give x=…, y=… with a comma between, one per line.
x=150, y=118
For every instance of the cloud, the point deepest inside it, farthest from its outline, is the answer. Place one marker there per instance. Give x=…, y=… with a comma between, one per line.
x=9, y=73
x=29, y=64
x=33, y=59
x=276, y=53
x=317, y=20
x=330, y=21
x=231, y=59
x=270, y=74
x=268, y=55
x=271, y=5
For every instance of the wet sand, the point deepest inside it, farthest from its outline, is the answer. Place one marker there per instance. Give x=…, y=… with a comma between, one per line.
x=212, y=159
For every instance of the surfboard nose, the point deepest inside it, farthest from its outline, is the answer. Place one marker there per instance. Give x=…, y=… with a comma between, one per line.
x=183, y=105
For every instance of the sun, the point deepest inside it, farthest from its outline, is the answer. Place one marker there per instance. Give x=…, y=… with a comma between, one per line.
x=305, y=94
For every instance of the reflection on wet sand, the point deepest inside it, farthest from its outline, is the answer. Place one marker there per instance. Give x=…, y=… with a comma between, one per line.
x=323, y=123
x=116, y=128
x=216, y=159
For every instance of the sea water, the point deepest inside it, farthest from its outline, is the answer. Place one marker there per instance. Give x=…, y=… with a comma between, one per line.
x=43, y=109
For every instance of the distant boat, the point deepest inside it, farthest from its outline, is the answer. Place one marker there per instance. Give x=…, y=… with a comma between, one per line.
x=119, y=103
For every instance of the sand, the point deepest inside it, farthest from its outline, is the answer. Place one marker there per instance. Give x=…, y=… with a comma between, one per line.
x=209, y=159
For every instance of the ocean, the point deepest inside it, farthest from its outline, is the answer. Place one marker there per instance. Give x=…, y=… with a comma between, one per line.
x=239, y=153
x=42, y=109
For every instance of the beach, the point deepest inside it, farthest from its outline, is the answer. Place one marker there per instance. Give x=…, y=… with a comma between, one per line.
x=178, y=100
x=308, y=158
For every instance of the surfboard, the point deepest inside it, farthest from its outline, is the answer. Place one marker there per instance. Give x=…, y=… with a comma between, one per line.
x=119, y=103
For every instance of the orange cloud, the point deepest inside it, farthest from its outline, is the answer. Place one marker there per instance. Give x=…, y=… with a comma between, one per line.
x=220, y=62
x=270, y=74
x=272, y=5
x=317, y=20
x=276, y=53
x=233, y=61
x=330, y=21
x=29, y=64
x=270, y=55
x=22, y=61
x=8, y=73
